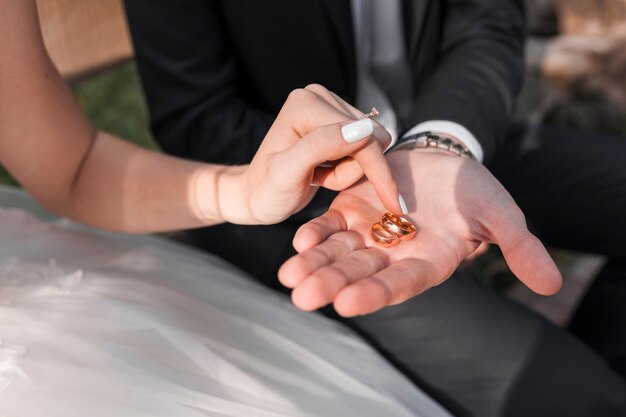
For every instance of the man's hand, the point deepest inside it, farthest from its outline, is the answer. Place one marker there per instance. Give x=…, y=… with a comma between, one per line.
x=455, y=203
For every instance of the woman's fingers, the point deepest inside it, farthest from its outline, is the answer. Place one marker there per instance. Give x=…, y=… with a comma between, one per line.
x=334, y=100
x=310, y=130
x=354, y=139
x=325, y=143
x=303, y=112
x=371, y=162
x=375, y=167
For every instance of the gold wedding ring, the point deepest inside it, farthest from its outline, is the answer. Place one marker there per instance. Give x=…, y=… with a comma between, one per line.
x=392, y=229
x=398, y=226
x=382, y=237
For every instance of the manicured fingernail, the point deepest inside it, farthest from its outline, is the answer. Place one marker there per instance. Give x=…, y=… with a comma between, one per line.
x=405, y=209
x=357, y=130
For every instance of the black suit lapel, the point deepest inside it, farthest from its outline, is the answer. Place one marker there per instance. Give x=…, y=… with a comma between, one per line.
x=340, y=15
x=415, y=13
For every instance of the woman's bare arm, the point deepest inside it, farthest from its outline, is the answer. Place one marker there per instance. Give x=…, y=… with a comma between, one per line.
x=95, y=178
x=49, y=146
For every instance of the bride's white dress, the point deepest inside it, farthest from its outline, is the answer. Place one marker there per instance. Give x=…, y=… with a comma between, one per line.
x=95, y=325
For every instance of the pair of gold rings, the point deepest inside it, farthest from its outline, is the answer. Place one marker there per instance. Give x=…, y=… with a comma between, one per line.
x=392, y=230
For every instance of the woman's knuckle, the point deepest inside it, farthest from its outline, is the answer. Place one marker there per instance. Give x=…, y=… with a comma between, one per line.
x=316, y=88
x=300, y=95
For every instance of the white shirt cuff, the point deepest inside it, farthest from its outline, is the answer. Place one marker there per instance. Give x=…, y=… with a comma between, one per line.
x=453, y=129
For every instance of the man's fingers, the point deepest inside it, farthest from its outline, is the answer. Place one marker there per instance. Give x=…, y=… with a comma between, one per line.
x=321, y=287
x=299, y=267
x=528, y=258
x=393, y=285
x=318, y=230
x=530, y=262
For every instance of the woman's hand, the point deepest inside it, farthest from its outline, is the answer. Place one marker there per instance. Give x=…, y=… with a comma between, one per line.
x=315, y=141
x=95, y=178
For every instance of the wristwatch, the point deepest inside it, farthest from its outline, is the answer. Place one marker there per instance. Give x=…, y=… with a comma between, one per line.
x=433, y=140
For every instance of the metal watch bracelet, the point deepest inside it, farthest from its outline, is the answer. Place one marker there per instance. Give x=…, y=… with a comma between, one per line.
x=433, y=140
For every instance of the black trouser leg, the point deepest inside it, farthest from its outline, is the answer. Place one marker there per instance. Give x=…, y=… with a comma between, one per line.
x=600, y=320
x=480, y=354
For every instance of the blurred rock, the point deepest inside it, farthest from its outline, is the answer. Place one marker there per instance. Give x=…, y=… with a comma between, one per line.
x=580, y=74
x=589, y=73
x=542, y=20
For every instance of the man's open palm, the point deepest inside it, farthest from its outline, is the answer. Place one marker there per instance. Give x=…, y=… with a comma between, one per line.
x=455, y=203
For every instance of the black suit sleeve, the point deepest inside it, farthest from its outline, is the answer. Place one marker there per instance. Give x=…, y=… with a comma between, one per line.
x=478, y=71
x=191, y=82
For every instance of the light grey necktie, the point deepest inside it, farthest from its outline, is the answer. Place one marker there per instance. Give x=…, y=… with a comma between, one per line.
x=383, y=76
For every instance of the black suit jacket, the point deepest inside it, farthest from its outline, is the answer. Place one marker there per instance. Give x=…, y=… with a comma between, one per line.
x=216, y=72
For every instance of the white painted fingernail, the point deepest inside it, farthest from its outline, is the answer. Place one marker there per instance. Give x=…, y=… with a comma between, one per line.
x=405, y=209
x=357, y=130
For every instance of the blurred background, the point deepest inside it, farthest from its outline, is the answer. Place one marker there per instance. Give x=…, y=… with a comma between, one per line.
x=576, y=64
x=575, y=76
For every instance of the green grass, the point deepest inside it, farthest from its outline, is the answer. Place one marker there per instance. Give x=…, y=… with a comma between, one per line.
x=113, y=102
x=491, y=270
x=5, y=177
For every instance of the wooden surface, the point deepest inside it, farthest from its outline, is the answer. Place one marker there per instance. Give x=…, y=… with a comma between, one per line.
x=84, y=36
